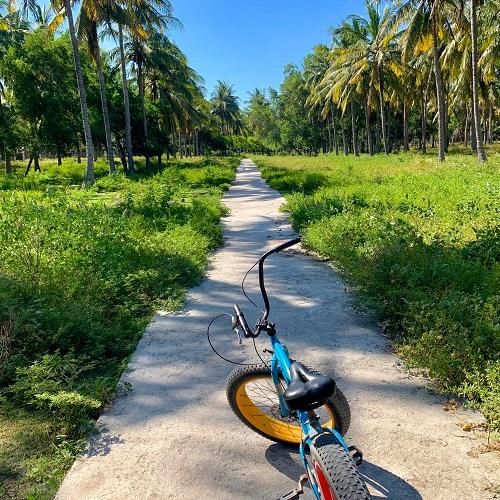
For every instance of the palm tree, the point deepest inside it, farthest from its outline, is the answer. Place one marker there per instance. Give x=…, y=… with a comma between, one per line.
x=365, y=57
x=94, y=13
x=89, y=172
x=64, y=8
x=481, y=155
x=315, y=67
x=173, y=86
x=137, y=51
x=141, y=18
x=424, y=21
x=226, y=108
x=126, y=102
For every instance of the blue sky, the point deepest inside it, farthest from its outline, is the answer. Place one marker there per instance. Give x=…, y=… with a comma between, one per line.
x=248, y=42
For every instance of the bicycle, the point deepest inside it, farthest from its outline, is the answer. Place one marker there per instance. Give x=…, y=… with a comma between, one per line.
x=291, y=403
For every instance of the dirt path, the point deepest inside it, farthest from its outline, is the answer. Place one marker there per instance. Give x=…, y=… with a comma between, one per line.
x=174, y=436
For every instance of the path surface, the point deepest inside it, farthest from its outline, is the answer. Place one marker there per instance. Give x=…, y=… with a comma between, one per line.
x=174, y=436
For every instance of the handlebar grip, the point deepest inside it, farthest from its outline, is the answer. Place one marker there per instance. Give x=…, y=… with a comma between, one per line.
x=243, y=322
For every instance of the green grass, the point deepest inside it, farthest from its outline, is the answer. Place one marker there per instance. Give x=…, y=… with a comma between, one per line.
x=81, y=273
x=419, y=242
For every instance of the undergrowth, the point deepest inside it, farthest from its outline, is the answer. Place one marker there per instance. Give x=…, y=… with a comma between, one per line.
x=81, y=273
x=419, y=242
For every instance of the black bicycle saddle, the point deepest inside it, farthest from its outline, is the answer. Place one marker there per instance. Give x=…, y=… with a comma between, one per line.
x=307, y=390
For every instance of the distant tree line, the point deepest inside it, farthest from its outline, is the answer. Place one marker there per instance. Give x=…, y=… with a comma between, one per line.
x=63, y=94
x=413, y=73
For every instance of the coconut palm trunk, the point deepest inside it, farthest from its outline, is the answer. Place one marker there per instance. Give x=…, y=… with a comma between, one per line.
x=490, y=125
x=89, y=172
x=344, y=140
x=141, y=84
x=405, y=126
x=367, y=126
x=335, y=141
x=439, y=90
x=424, y=121
x=126, y=103
x=466, y=126
x=382, y=111
x=354, y=132
x=481, y=155
x=105, y=111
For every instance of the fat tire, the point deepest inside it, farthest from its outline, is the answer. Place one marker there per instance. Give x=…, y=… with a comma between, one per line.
x=337, y=403
x=338, y=468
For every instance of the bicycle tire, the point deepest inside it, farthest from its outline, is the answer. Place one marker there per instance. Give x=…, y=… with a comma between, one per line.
x=271, y=425
x=334, y=471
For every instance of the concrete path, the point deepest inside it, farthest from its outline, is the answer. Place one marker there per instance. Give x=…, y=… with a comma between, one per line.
x=174, y=436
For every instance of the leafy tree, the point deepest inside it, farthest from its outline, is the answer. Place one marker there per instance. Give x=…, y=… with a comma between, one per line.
x=40, y=76
x=261, y=118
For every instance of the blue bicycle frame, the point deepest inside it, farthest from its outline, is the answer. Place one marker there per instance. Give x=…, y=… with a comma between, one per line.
x=309, y=423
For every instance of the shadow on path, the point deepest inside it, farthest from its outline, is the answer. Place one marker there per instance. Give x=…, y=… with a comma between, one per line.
x=381, y=482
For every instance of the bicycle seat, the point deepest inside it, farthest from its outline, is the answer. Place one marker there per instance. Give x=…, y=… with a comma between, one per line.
x=307, y=390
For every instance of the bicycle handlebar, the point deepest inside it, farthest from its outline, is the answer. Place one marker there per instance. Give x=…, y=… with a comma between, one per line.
x=263, y=320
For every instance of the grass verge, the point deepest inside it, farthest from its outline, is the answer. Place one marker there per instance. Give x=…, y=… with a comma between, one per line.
x=419, y=241
x=81, y=273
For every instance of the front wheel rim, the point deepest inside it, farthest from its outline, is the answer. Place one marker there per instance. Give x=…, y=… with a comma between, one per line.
x=324, y=488
x=258, y=402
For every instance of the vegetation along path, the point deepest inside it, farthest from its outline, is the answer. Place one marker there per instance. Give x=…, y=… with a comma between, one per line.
x=172, y=434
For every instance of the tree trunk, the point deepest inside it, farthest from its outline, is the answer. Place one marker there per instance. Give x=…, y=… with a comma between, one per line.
x=481, y=155
x=473, y=138
x=59, y=159
x=424, y=121
x=368, y=131
x=354, y=134
x=126, y=102
x=405, y=126
x=158, y=162
x=439, y=89
x=89, y=171
x=382, y=112
x=335, y=141
x=141, y=83
x=466, y=127
x=329, y=130
x=29, y=166
x=446, y=119
x=344, y=140
x=105, y=111
x=8, y=165
x=388, y=127
x=490, y=124
x=37, y=163
x=123, y=158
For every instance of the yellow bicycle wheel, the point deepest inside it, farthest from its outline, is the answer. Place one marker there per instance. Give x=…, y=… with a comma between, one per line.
x=252, y=395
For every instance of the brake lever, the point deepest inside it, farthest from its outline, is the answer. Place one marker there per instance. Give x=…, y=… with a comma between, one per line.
x=234, y=328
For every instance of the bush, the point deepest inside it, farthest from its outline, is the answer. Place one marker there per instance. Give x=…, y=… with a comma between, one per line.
x=421, y=247
x=81, y=273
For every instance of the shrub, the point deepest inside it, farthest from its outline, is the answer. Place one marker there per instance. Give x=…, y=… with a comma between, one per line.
x=420, y=244
x=81, y=273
